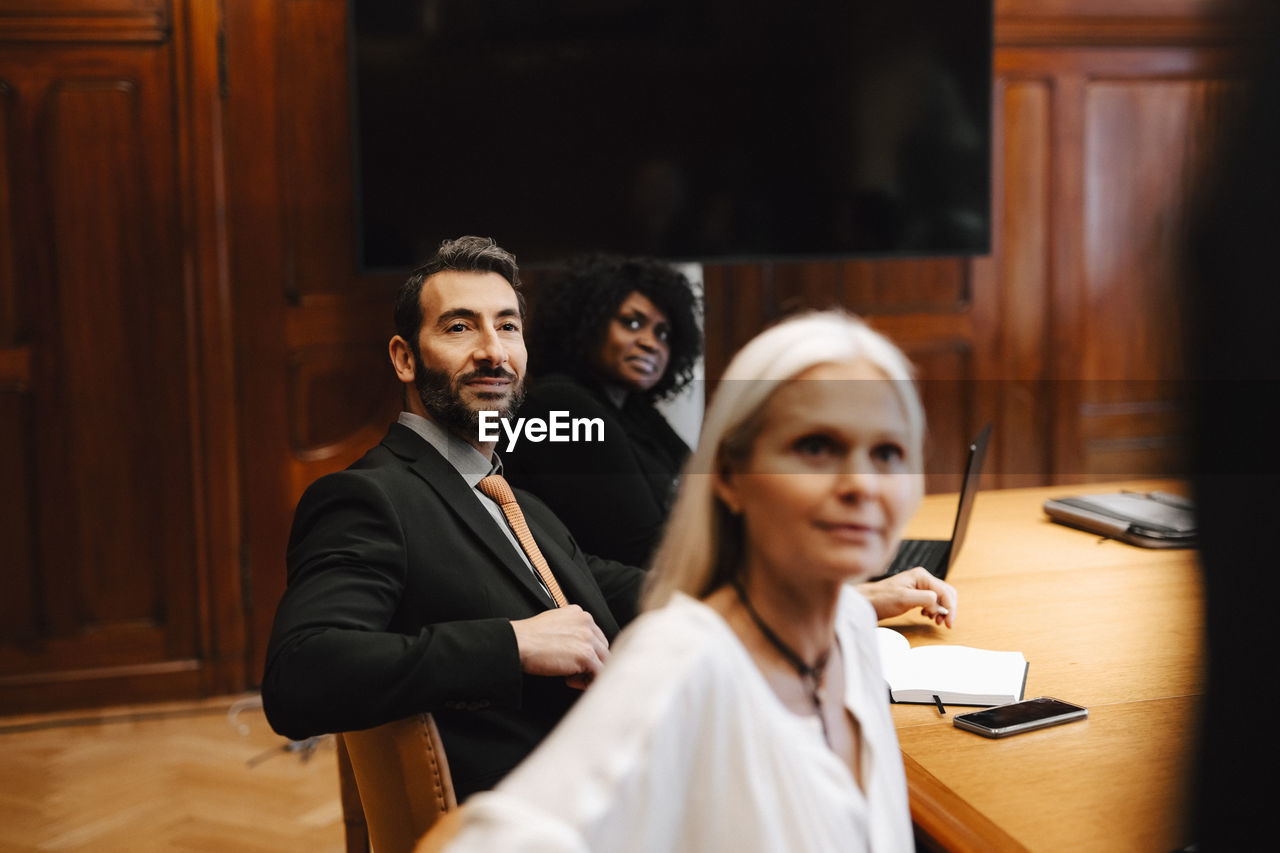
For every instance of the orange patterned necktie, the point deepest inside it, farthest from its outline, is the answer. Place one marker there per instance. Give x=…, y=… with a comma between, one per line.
x=495, y=486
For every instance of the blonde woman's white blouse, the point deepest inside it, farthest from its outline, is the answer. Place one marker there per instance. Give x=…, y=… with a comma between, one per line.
x=681, y=745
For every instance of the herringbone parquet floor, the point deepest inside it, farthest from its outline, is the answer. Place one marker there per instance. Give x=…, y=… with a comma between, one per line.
x=191, y=777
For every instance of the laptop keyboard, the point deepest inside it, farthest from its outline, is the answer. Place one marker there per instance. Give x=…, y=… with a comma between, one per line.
x=918, y=552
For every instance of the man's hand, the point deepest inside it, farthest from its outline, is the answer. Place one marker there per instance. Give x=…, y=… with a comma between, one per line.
x=565, y=641
x=899, y=593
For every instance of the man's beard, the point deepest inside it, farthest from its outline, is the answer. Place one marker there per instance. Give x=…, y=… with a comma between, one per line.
x=443, y=399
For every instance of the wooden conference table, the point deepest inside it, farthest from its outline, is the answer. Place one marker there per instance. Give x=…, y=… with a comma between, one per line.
x=1103, y=624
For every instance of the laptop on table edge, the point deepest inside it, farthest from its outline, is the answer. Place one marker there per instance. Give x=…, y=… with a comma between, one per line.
x=937, y=555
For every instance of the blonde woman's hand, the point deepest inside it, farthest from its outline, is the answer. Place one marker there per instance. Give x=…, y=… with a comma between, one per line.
x=907, y=590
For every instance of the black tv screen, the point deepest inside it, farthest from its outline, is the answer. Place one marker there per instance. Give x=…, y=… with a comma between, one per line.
x=708, y=130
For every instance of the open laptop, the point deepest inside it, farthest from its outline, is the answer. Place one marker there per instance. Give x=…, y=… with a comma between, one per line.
x=936, y=555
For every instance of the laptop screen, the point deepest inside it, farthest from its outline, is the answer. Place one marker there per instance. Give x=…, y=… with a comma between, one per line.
x=969, y=490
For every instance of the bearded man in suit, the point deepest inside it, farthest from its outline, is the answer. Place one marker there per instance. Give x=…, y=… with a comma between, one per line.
x=408, y=590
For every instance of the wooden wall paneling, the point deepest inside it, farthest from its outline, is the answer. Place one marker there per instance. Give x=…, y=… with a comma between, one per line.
x=1135, y=152
x=343, y=394
x=1137, y=136
x=85, y=14
x=922, y=304
x=1128, y=22
x=742, y=299
x=18, y=610
x=100, y=200
x=951, y=401
x=340, y=377
x=897, y=286
x=1102, y=9
x=18, y=606
x=316, y=387
x=1065, y=207
x=1124, y=126
x=1066, y=251
x=340, y=388
x=98, y=193
x=984, y=314
x=1012, y=287
x=738, y=303
x=799, y=286
x=315, y=149
x=9, y=321
x=1151, y=137
x=85, y=21
x=941, y=348
x=106, y=413
x=1143, y=121
x=256, y=237
x=19, y=613
x=197, y=31
x=332, y=397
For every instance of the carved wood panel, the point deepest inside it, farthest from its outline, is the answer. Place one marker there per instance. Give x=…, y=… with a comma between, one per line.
x=1012, y=288
x=923, y=304
x=105, y=566
x=1100, y=149
x=1111, y=9
x=1147, y=141
x=109, y=491
x=315, y=384
x=315, y=175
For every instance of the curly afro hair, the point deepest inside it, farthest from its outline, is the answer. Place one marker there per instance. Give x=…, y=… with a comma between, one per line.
x=571, y=316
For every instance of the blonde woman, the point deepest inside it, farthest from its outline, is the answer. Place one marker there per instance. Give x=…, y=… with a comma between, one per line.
x=745, y=709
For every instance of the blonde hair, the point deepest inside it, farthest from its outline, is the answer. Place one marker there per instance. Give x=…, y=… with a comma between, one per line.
x=701, y=548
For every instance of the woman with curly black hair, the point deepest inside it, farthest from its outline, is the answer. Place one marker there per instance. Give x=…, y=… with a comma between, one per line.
x=609, y=337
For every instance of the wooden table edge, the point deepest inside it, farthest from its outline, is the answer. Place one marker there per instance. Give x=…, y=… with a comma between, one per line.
x=945, y=822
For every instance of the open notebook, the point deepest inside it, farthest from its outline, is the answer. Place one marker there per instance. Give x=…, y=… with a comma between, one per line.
x=957, y=675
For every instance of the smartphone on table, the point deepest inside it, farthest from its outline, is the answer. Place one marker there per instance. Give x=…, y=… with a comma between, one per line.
x=1024, y=716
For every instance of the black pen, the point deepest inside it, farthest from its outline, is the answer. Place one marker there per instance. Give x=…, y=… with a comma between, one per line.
x=938, y=702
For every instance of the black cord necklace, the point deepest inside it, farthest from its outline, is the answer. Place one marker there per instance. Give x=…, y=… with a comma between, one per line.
x=813, y=675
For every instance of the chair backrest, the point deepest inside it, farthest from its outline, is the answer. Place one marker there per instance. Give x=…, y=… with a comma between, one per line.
x=356, y=830
x=403, y=780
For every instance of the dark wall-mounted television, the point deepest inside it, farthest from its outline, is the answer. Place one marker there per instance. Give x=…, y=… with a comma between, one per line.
x=708, y=130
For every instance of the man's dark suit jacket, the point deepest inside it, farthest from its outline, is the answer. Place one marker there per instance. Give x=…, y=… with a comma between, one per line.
x=400, y=596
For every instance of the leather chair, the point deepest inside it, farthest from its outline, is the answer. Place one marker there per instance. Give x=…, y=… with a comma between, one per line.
x=401, y=784
x=442, y=833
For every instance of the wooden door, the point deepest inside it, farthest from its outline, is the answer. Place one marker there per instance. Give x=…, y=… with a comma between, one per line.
x=108, y=474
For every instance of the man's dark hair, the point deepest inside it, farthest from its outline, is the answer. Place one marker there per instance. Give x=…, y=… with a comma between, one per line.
x=573, y=312
x=465, y=254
